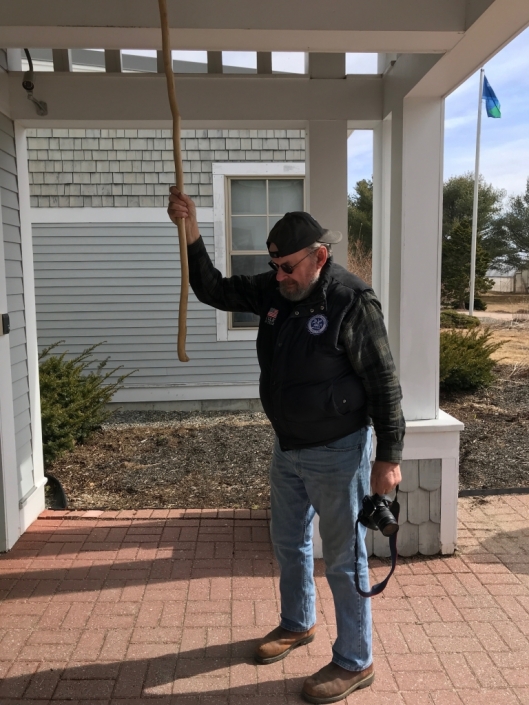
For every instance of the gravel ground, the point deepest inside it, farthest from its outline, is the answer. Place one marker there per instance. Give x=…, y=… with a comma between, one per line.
x=154, y=459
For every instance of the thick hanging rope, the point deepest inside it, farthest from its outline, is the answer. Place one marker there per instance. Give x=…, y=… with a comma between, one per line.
x=179, y=172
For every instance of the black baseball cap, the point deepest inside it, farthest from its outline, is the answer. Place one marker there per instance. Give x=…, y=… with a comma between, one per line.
x=297, y=230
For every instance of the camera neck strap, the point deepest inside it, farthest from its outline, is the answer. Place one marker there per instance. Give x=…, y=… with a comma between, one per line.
x=379, y=587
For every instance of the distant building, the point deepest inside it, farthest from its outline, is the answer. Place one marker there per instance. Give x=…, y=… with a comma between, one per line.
x=510, y=282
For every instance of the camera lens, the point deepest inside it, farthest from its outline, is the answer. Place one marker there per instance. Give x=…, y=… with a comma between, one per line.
x=390, y=528
x=385, y=520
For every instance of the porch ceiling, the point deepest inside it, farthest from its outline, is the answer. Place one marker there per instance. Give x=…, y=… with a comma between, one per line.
x=297, y=25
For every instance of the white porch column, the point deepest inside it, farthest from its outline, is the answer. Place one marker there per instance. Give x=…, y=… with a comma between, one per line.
x=326, y=186
x=326, y=198
x=381, y=211
x=407, y=214
x=407, y=245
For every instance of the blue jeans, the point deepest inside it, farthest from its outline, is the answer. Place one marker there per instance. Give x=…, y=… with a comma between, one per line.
x=331, y=480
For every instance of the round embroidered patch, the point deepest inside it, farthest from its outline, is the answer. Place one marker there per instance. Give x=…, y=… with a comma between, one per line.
x=317, y=324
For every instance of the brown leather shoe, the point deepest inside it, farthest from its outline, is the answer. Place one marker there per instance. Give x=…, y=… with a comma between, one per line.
x=332, y=683
x=280, y=642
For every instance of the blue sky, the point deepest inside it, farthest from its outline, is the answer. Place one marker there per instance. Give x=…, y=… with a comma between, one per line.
x=504, y=142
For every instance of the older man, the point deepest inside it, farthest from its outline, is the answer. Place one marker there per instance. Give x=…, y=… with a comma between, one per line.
x=326, y=374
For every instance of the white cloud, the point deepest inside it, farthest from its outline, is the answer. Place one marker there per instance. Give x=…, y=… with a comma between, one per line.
x=288, y=61
x=361, y=63
x=244, y=59
x=456, y=122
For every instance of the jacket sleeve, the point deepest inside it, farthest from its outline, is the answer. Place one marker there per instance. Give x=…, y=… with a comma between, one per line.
x=237, y=293
x=365, y=339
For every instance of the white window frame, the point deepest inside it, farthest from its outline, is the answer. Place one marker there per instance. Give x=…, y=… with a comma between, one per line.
x=222, y=172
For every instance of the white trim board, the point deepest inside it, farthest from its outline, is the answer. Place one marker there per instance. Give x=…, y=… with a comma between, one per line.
x=190, y=392
x=220, y=173
x=109, y=215
x=32, y=510
x=31, y=506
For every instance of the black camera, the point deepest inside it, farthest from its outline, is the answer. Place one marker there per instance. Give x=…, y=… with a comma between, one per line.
x=377, y=514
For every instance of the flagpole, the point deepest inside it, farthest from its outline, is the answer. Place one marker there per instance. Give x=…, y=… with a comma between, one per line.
x=475, y=204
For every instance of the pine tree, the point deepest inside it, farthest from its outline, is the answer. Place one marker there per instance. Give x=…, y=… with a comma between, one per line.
x=360, y=215
x=458, y=202
x=455, y=274
x=508, y=240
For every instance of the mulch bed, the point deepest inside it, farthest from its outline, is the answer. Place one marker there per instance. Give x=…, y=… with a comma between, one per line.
x=161, y=459
x=157, y=459
x=494, y=450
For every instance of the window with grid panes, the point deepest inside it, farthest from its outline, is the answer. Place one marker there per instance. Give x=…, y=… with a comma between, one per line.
x=255, y=205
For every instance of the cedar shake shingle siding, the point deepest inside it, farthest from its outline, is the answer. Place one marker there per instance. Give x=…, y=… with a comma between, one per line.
x=71, y=168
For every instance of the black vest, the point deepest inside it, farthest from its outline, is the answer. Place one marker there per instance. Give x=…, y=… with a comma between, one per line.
x=307, y=386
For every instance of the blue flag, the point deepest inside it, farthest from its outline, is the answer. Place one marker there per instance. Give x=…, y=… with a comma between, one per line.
x=491, y=102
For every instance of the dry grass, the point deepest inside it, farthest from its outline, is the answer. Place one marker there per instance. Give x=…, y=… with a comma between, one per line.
x=360, y=262
x=506, y=303
x=515, y=339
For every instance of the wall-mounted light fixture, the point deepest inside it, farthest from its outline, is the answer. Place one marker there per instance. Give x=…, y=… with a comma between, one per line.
x=28, y=85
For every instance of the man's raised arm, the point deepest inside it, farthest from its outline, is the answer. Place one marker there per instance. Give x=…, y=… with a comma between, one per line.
x=237, y=293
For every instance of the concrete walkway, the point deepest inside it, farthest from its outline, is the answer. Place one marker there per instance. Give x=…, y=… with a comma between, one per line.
x=498, y=316
x=162, y=607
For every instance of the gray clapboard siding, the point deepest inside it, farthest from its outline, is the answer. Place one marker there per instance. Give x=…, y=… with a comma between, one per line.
x=23, y=440
x=10, y=215
x=120, y=283
x=15, y=302
x=7, y=163
x=15, y=298
x=18, y=354
x=11, y=233
x=19, y=406
x=20, y=390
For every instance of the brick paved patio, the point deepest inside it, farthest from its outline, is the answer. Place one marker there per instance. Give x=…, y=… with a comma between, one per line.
x=162, y=607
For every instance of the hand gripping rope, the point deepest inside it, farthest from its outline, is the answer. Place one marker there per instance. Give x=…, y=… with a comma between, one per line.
x=179, y=173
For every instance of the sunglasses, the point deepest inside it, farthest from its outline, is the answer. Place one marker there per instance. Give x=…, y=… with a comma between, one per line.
x=287, y=268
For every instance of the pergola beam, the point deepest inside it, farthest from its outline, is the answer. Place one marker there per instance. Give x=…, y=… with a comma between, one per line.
x=214, y=62
x=401, y=26
x=112, y=98
x=339, y=40
x=264, y=62
x=360, y=15
x=62, y=60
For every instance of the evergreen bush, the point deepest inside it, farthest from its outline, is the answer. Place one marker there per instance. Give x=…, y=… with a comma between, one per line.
x=479, y=305
x=466, y=361
x=453, y=319
x=73, y=400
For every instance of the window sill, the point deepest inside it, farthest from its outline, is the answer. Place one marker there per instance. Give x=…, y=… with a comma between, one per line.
x=242, y=334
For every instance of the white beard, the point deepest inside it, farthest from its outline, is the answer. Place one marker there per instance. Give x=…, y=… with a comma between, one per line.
x=294, y=291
